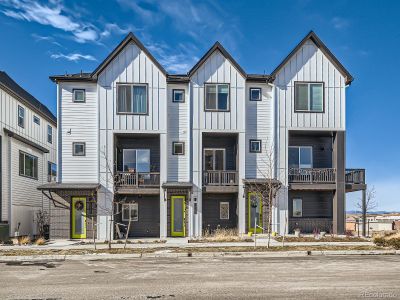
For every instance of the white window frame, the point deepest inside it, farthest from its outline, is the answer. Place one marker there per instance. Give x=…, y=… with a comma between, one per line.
x=220, y=210
x=301, y=207
x=174, y=150
x=250, y=94
x=175, y=91
x=298, y=151
x=74, y=153
x=255, y=141
x=74, y=95
x=136, y=159
x=36, y=120
x=35, y=168
x=49, y=134
x=131, y=207
x=308, y=96
x=228, y=104
x=214, y=149
x=21, y=116
x=50, y=174
x=132, y=86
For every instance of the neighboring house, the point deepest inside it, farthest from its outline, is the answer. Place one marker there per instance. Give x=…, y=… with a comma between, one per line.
x=181, y=154
x=28, y=142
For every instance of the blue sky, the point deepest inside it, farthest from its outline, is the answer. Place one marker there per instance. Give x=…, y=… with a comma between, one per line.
x=42, y=38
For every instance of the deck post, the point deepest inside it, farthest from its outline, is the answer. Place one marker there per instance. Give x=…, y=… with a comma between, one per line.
x=364, y=212
x=339, y=205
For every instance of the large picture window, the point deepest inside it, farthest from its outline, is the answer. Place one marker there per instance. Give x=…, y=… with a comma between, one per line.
x=136, y=160
x=309, y=96
x=132, y=99
x=28, y=165
x=217, y=97
x=300, y=157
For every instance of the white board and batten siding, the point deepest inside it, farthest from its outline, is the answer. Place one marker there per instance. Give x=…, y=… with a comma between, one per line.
x=78, y=123
x=178, y=131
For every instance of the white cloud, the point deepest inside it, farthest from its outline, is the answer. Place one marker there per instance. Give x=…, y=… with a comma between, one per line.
x=340, y=23
x=114, y=28
x=73, y=57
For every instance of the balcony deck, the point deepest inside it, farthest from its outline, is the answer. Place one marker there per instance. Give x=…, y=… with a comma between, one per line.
x=222, y=181
x=138, y=183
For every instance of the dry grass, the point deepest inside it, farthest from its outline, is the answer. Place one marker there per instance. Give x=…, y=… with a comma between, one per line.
x=325, y=239
x=388, y=239
x=221, y=235
x=40, y=242
x=24, y=240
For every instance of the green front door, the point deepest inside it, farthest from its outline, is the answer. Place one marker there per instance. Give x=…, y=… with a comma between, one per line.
x=78, y=211
x=178, y=226
x=254, y=211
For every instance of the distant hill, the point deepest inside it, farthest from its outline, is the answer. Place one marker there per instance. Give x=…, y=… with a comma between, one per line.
x=378, y=212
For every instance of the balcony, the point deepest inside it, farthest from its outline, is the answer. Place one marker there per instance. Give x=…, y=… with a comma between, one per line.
x=137, y=183
x=220, y=178
x=312, y=175
x=355, y=176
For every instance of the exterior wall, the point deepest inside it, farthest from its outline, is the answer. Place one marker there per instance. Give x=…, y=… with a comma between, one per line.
x=211, y=211
x=20, y=198
x=308, y=64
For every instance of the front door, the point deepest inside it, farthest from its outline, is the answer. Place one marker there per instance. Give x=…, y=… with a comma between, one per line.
x=78, y=217
x=255, y=212
x=178, y=216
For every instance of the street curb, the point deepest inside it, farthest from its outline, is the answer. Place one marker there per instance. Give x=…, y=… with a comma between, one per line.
x=105, y=256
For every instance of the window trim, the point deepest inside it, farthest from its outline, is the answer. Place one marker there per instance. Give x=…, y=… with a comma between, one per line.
x=301, y=211
x=37, y=165
x=308, y=83
x=132, y=85
x=74, y=98
x=49, y=170
x=173, y=148
x=49, y=129
x=23, y=117
x=35, y=117
x=312, y=155
x=228, y=108
x=225, y=203
x=129, y=205
x=204, y=161
x=255, y=88
x=136, y=156
x=73, y=148
x=183, y=95
x=255, y=140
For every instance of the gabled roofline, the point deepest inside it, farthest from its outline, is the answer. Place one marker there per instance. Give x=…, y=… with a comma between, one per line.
x=216, y=46
x=316, y=40
x=130, y=37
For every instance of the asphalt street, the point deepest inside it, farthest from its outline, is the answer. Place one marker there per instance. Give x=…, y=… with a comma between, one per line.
x=315, y=277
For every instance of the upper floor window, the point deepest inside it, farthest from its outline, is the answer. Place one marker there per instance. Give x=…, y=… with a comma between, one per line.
x=28, y=165
x=178, y=96
x=132, y=99
x=79, y=95
x=136, y=160
x=36, y=120
x=78, y=149
x=255, y=94
x=21, y=116
x=255, y=146
x=51, y=171
x=300, y=157
x=217, y=97
x=49, y=134
x=178, y=148
x=309, y=96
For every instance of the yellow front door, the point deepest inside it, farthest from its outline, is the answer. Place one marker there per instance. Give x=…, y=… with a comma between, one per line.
x=178, y=226
x=78, y=211
x=255, y=212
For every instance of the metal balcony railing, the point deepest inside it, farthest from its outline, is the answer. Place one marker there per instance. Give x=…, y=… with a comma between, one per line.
x=313, y=175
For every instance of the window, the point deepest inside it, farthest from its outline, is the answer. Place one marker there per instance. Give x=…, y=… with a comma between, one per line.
x=132, y=99
x=224, y=210
x=178, y=96
x=136, y=160
x=300, y=157
x=255, y=146
x=214, y=159
x=79, y=95
x=297, y=207
x=51, y=171
x=36, y=120
x=130, y=211
x=21, y=116
x=217, y=97
x=78, y=149
x=309, y=96
x=178, y=148
x=49, y=134
x=255, y=94
x=28, y=165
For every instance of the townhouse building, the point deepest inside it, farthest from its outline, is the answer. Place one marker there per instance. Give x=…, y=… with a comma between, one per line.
x=181, y=154
x=28, y=142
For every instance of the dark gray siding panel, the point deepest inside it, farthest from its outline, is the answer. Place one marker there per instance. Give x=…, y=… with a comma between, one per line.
x=229, y=143
x=322, y=148
x=316, y=204
x=211, y=220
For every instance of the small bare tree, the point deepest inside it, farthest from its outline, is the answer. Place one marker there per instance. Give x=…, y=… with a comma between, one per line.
x=370, y=200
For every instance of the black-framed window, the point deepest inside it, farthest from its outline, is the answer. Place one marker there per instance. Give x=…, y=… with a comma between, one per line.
x=49, y=134
x=217, y=97
x=78, y=149
x=178, y=148
x=21, y=116
x=36, y=120
x=79, y=95
x=28, y=165
x=297, y=207
x=255, y=146
x=178, y=95
x=51, y=171
x=309, y=96
x=255, y=94
x=132, y=99
x=300, y=157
